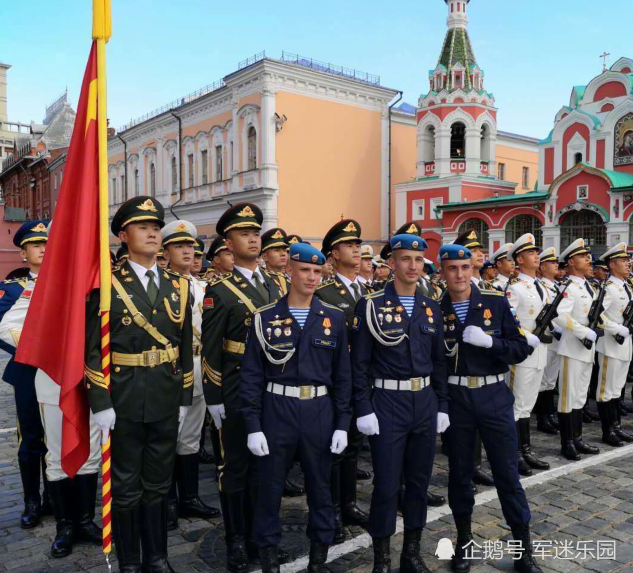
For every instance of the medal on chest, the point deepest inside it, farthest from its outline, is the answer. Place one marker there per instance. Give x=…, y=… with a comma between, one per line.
x=487, y=317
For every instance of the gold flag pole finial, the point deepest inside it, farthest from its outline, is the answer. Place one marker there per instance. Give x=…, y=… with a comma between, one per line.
x=101, y=20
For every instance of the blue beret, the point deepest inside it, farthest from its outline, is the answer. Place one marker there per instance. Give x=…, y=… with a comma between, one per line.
x=31, y=232
x=306, y=253
x=408, y=242
x=455, y=253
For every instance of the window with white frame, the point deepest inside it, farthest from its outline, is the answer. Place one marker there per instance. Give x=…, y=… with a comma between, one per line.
x=218, y=163
x=205, y=166
x=174, y=174
x=436, y=202
x=501, y=171
x=418, y=209
x=190, y=167
x=136, y=183
x=252, y=148
x=525, y=178
x=123, y=189
x=152, y=179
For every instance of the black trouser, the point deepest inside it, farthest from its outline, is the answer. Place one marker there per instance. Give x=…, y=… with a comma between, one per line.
x=238, y=469
x=143, y=457
x=30, y=431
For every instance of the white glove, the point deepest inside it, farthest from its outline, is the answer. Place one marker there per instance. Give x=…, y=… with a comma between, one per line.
x=477, y=337
x=368, y=425
x=105, y=420
x=218, y=413
x=558, y=329
x=623, y=331
x=442, y=422
x=591, y=335
x=182, y=412
x=532, y=340
x=339, y=442
x=257, y=444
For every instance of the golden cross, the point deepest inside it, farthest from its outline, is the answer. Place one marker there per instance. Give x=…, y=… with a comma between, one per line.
x=604, y=57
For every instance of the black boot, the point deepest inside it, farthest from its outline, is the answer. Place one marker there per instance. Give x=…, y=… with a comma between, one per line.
x=434, y=500
x=335, y=490
x=234, y=514
x=526, y=446
x=352, y=514
x=410, y=560
x=189, y=502
x=480, y=477
x=617, y=422
x=62, y=499
x=527, y=563
x=623, y=404
x=292, y=489
x=172, y=503
x=85, y=492
x=382, y=555
x=459, y=563
x=581, y=446
x=126, y=531
x=318, y=556
x=523, y=467
x=154, y=538
x=30, y=474
x=567, y=449
x=269, y=559
x=47, y=508
x=541, y=409
x=587, y=415
x=551, y=408
x=204, y=456
x=251, y=547
x=608, y=435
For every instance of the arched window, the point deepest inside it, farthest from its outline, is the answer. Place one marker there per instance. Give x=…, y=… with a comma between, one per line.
x=152, y=179
x=587, y=225
x=252, y=148
x=124, y=188
x=458, y=141
x=577, y=158
x=136, y=183
x=174, y=174
x=485, y=143
x=479, y=226
x=427, y=144
x=522, y=224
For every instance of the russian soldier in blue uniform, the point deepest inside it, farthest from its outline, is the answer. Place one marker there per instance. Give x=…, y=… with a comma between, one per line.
x=401, y=399
x=295, y=389
x=483, y=337
x=31, y=239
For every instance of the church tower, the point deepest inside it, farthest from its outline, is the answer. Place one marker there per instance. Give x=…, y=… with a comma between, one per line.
x=457, y=118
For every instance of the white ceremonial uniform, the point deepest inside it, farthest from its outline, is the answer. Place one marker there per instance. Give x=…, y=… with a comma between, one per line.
x=575, y=360
x=613, y=358
x=189, y=437
x=550, y=376
x=524, y=379
x=48, y=394
x=500, y=282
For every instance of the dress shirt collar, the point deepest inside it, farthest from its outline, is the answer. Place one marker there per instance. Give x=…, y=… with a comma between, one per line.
x=577, y=280
x=141, y=272
x=528, y=278
x=346, y=281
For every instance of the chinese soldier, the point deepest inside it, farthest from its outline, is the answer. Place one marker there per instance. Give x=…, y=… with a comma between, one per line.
x=275, y=255
x=295, y=388
x=344, y=291
x=179, y=246
x=401, y=399
x=505, y=266
x=31, y=239
x=229, y=305
x=198, y=255
x=483, y=337
x=151, y=384
x=220, y=256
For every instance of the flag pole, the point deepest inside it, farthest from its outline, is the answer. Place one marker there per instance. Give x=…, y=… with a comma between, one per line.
x=101, y=32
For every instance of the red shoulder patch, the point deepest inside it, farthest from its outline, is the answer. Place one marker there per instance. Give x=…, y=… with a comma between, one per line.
x=27, y=293
x=2, y=293
x=208, y=303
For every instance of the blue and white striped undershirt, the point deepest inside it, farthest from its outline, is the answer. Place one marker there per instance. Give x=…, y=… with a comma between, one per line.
x=461, y=310
x=300, y=314
x=408, y=302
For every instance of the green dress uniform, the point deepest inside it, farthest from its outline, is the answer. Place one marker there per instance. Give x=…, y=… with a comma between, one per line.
x=228, y=308
x=345, y=465
x=151, y=372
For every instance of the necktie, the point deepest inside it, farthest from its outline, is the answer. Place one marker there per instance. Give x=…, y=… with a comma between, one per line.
x=589, y=289
x=628, y=290
x=355, y=291
x=539, y=290
x=261, y=289
x=152, y=289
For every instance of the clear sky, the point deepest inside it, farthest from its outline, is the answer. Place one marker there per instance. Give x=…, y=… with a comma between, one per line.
x=533, y=51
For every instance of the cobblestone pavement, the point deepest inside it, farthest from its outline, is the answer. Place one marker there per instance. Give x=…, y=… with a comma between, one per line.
x=588, y=501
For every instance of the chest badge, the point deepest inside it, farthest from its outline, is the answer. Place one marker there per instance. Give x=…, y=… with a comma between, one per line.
x=287, y=331
x=174, y=296
x=429, y=313
x=175, y=284
x=327, y=324
x=342, y=292
x=126, y=321
x=128, y=280
x=487, y=317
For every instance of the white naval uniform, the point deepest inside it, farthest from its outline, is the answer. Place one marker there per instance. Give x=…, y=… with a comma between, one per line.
x=48, y=393
x=500, y=282
x=613, y=358
x=576, y=362
x=550, y=376
x=524, y=379
x=189, y=437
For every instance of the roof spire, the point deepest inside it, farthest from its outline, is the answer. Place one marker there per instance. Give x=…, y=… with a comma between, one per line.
x=457, y=13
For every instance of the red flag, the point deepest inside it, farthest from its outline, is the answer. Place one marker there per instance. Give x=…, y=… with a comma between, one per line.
x=53, y=337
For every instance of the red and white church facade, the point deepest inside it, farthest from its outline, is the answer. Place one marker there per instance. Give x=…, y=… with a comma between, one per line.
x=585, y=180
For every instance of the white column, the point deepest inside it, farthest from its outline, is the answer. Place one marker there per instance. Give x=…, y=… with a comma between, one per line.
x=384, y=174
x=492, y=161
x=551, y=237
x=495, y=235
x=473, y=151
x=443, y=151
x=268, y=164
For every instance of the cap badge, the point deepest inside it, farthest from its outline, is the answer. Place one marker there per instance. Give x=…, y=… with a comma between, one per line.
x=445, y=255
x=277, y=235
x=415, y=244
x=294, y=241
x=181, y=228
x=412, y=229
x=461, y=253
x=315, y=258
x=351, y=228
x=473, y=235
x=39, y=228
x=246, y=212
x=295, y=257
x=148, y=206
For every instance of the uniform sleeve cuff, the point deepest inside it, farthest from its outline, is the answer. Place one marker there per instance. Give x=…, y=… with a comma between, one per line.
x=363, y=409
x=343, y=422
x=442, y=406
x=253, y=426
